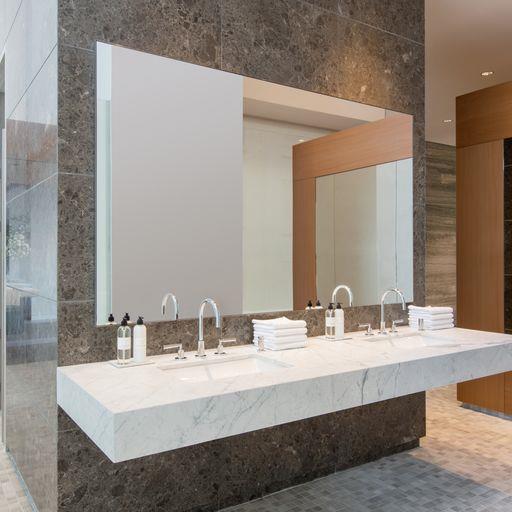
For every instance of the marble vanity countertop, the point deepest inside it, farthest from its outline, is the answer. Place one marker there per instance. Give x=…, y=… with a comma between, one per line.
x=143, y=410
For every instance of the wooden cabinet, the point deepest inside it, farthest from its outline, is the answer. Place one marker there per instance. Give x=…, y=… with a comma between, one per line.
x=484, y=120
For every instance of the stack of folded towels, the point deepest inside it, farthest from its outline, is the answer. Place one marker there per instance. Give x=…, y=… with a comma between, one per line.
x=433, y=317
x=280, y=333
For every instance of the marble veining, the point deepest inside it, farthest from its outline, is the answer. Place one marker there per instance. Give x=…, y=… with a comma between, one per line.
x=118, y=408
x=441, y=232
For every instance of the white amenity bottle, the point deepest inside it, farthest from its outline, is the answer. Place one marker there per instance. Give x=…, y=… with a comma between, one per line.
x=339, y=322
x=124, y=343
x=139, y=341
x=329, y=322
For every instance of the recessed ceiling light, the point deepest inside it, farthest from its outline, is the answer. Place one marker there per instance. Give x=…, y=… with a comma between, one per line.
x=447, y=120
x=487, y=73
x=302, y=140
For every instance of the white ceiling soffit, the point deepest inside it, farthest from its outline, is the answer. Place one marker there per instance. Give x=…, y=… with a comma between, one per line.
x=278, y=102
x=463, y=38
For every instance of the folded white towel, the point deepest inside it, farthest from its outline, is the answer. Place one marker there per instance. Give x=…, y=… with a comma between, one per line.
x=442, y=316
x=278, y=333
x=287, y=346
x=435, y=327
x=283, y=340
x=431, y=310
x=280, y=323
x=432, y=318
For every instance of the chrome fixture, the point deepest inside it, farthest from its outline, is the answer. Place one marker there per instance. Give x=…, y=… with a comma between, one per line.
x=165, y=300
x=384, y=295
x=368, y=327
x=180, y=353
x=261, y=344
x=395, y=323
x=200, y=341
x=342, y=287
x=226, y=341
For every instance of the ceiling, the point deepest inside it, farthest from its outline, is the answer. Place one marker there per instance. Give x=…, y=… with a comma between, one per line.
x=463, y=38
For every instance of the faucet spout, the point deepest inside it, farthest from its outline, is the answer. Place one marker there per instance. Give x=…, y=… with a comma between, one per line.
x=165, y=300
x=200, y=341
x=384, y=295
x=347, y=289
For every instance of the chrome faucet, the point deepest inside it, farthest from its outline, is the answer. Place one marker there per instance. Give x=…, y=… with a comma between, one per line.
x=165, y=300
x=200, y=341
x=342, y=287
x=384, y=295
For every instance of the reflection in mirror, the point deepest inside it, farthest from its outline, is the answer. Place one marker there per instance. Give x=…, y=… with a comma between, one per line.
x=364, y=231
x=213, y=185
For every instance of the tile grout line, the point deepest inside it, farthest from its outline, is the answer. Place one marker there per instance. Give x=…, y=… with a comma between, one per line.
x=355, y=20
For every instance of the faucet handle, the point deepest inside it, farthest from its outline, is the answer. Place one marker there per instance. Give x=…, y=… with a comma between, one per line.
x=179, y=350
x=395, y=323
x=224, y=341
x=368, y=327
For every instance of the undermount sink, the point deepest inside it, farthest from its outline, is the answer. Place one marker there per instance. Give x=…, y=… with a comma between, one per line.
x=222, y=368
x=413, y=340
x=422, y=340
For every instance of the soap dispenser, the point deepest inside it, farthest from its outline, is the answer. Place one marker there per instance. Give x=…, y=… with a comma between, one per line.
x=339, y=322
x=124, y=343
x=329, y=322
x=318, y=305
x=111, y=320
x=139, y=341
x=309, y=306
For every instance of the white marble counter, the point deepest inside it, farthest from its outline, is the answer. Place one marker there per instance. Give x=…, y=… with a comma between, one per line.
x=138, y=411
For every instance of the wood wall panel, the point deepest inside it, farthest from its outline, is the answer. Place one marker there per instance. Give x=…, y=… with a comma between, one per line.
x=480, y=257
x=484, y=115
x=368, y=144
x=480, y=244
x=486, y=393
x=304, y=242
x=507, y=399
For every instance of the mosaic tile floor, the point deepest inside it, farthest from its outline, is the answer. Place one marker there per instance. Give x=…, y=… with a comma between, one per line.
x=12, y=495
x=463, y=465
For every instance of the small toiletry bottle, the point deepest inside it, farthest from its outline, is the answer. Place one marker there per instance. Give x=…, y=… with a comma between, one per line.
x=127, y=318
x=111, y=320
x=124, y=343
x=329, y=322
x=339, y=322
x=309, y=306
x=139, y=341
x=318, y=305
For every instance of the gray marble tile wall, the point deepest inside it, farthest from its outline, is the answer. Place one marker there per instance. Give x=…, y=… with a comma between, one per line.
x=371, y=52
x=367, y=51
x=29, y=32
x=441, y=289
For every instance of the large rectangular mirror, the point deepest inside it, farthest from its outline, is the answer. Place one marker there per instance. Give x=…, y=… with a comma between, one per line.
x=258, y=195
